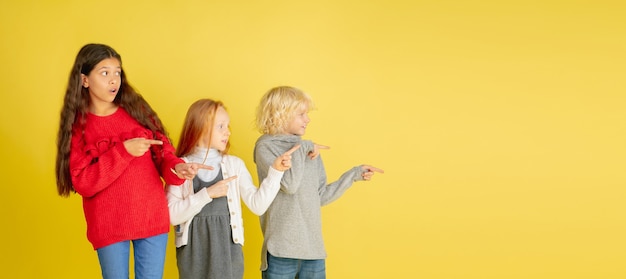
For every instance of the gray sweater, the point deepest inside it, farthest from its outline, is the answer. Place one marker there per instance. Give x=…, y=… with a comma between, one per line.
x=292, y=225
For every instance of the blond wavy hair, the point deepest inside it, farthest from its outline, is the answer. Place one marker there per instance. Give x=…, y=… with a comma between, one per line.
x=277, y=108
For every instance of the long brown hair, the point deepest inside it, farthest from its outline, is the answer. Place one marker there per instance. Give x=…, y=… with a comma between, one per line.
x=198, y=122
x=76, y=107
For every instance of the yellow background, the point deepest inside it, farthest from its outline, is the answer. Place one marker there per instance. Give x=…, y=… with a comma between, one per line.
x=500, y=124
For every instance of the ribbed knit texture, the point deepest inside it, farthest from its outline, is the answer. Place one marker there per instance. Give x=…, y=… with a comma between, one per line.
x=123, y=196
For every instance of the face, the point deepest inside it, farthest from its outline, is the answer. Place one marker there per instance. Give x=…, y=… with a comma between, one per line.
x=299, y=121
x=221, y=132
x=103, y=83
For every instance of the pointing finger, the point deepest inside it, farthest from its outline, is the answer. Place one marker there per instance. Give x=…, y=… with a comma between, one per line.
x=200, y=166
x=151, y=141
x=230, y=179
x=373, y=169
x=292, y=150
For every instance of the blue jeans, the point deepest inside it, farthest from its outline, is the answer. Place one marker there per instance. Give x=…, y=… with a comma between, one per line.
x=149, y=258
x=286, y=268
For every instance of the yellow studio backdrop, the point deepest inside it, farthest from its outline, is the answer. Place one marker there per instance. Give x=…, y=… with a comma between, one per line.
x=500, y=125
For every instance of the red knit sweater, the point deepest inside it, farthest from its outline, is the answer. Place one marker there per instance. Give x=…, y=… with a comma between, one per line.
x=123, y=196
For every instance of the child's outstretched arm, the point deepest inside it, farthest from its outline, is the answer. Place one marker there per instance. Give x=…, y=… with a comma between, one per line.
x=331, y=192
x=266, y=153
x=188, y=170
x=259, y=199
x=174, y=170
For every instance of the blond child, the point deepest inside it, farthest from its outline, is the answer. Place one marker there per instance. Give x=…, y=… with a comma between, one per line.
x=292, y=227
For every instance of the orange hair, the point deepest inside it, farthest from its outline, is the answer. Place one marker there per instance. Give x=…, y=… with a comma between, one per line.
x=198, y=122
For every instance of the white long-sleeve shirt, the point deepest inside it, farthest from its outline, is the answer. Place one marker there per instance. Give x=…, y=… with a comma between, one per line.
x=184, y=204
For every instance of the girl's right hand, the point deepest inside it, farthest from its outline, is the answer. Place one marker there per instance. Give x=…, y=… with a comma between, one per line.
x=139, y=146
x=220, y=188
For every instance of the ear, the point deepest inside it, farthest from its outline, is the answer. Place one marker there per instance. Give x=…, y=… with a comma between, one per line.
x=85, y=80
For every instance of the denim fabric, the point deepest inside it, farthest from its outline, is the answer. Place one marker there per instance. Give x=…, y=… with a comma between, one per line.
x=285, y=268
x=149, y=258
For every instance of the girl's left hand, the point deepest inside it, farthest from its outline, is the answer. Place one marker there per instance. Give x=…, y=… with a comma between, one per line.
x=283, y=162
x=368, y=172
x=316, y=150
x=188, y=170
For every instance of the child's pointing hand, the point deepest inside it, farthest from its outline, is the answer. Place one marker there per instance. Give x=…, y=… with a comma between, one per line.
x=283, y=162
x=188, y=170
x=316, y=150
x=368, y=172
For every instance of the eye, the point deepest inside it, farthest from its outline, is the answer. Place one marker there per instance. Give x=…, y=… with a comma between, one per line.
x=105, y=73
x=118, y=73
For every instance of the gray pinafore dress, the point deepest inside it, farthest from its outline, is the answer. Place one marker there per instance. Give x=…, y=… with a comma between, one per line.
x=210, y=251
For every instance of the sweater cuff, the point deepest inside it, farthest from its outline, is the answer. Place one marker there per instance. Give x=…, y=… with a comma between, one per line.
x=204, y=197
x=358, y=172
x=273, y=177
x=169, y=176
x=274, y=174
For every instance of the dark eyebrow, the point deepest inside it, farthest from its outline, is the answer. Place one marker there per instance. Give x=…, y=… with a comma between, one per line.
x=107, y=67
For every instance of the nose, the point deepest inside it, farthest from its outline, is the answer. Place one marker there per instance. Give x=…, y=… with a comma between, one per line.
x=115, y=79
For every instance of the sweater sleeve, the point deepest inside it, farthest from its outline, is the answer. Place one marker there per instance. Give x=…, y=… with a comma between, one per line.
x=183, y=203
x=166, y=160
x=93, y=168
x=257, y=199
x=292, y=178
x=331, y=192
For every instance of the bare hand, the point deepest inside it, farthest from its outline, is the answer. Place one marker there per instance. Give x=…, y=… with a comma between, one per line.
x=139, y=146
x=189, y=170
x=368, y=172
x=220, y=188
x=283, y=162
x=316, y=150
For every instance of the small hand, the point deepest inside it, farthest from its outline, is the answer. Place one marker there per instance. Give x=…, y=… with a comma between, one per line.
x=189, y=170
x=220, y=188
x=368, y=172
x=139, y=146
x=283, y=162
x=316, y=150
